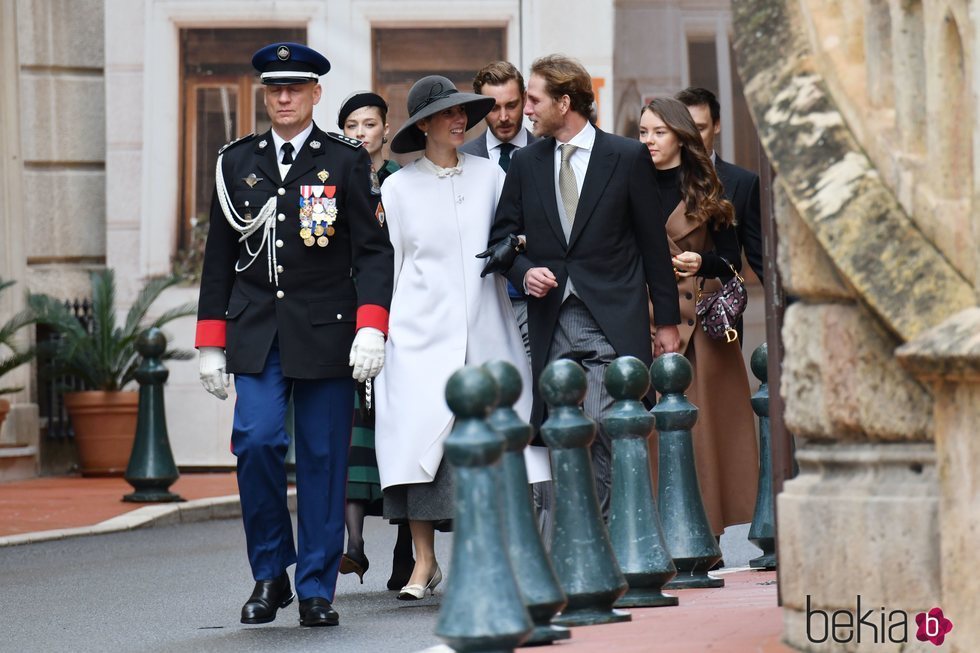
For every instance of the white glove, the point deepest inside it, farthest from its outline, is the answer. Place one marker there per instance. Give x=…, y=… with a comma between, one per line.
x=213, y=376
x=367, y=354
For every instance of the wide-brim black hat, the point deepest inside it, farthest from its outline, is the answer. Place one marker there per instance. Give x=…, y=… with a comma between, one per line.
x=429, y=96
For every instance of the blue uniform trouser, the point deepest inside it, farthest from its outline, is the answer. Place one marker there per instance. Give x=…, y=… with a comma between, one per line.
x=324, y=417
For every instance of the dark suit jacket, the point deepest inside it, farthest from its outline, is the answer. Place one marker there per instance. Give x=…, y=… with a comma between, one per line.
x=316, y=316
x=617, y=253
x=742, y=190
x=478, y=146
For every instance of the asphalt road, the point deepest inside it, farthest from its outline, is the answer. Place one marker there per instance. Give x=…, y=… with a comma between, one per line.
x=180, y=588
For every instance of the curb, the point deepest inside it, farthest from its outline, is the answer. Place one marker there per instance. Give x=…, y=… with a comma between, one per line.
x=171, y=514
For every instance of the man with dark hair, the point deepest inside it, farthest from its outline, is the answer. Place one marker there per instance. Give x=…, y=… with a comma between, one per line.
x=505, y=135
x=741, y=185
x=596, y=248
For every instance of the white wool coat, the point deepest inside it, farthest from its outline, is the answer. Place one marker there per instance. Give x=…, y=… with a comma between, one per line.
x=443, y=315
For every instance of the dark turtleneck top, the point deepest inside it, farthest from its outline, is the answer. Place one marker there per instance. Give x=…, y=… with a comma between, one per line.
x=725, y=239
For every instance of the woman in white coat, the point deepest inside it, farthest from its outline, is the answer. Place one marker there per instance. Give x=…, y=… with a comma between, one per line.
x=443, y=314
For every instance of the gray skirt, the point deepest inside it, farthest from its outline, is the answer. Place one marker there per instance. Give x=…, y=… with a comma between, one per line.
x=431, y=501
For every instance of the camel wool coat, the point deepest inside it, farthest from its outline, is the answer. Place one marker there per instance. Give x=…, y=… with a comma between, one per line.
x=726, y=451
x=443, y=314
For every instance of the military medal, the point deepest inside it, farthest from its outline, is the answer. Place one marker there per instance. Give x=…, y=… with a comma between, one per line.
x=322, y=241
x=331, y=231
x=323, y=175
x=305, y=233
x=308, y=241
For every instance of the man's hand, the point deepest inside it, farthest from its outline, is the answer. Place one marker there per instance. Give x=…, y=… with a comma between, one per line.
x=667, y=340
x=500, y=257
x=539, y=281
x=212, y=369
x=367, y=354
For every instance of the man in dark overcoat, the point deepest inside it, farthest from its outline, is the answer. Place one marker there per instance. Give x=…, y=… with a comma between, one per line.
x=596, y=248
x=293, y=224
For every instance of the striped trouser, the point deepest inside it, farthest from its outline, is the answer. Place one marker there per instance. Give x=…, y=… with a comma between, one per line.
x=578, y=337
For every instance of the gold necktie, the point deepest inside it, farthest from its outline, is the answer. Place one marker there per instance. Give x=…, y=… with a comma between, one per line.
x=567, y=185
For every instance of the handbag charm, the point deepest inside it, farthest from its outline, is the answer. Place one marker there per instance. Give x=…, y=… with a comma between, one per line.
x=719, y=311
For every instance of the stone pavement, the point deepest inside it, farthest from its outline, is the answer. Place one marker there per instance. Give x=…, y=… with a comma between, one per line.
x=741, y=617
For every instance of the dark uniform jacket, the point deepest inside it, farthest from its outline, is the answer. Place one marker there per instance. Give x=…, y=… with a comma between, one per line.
x=617, y=252
x=742, y=190
x=315, y=306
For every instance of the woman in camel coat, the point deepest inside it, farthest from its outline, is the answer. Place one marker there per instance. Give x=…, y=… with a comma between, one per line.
x=702, y=239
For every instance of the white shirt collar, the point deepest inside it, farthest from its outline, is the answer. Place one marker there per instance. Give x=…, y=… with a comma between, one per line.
x=584, y=140
x=714, y=157
x=518, y=141
x=427, y=165
x=297, y=141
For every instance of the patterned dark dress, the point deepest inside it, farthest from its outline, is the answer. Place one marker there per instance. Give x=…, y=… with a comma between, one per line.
x=363, y=483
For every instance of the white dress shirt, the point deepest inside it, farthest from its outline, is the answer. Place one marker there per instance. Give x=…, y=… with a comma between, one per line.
x=297, y=142
x=494, y=143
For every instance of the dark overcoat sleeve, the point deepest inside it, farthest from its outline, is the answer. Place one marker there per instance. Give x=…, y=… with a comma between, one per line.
x=750, y=228
x=372, y=258
x=217, y=276
x=509, y=219
x=648, y=218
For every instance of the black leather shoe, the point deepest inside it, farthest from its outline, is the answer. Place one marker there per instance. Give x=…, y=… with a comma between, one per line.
x=267, y=597
x=317, y=612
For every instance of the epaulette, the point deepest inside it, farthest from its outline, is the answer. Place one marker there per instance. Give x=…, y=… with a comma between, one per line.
x=243, y=139
x=346, y=140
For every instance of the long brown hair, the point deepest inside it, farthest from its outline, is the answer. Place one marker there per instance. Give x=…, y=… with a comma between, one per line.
x=701, y=190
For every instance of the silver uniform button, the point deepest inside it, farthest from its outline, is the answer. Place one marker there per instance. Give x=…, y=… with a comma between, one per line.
x=339, y=316
x=281, y=191
x=279, y=269
x=280, y=294
x=278, y=243
x=282, y=216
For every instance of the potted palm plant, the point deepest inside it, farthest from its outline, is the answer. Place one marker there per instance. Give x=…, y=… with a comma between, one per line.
x=103, y=357
x=12, y=355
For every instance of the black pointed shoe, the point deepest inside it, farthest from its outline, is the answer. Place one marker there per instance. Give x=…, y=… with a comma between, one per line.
x=317, y=612
x=267, y=597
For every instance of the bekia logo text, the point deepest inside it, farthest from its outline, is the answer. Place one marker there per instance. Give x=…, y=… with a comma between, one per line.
x=874, y=625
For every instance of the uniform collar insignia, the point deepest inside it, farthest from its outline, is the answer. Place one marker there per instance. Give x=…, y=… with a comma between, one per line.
x=315, y=145
x=263, y=143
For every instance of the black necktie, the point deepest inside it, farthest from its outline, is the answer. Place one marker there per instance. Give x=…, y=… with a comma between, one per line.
x=287, y=154
x=505, y=150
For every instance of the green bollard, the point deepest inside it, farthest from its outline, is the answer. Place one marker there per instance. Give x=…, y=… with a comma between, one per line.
x=482, y=609
x=686, y=530
x=536, y=578
x=151, y=469
x=634, y=525
x=581, y=552
x=762, y=532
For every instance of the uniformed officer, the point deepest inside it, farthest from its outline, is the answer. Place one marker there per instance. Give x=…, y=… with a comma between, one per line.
x=293, y=224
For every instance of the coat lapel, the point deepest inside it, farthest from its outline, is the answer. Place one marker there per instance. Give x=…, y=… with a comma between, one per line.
x=544, y=174
x=679, y=225
x=728, y=182
x=602, y=162
x=266, y=157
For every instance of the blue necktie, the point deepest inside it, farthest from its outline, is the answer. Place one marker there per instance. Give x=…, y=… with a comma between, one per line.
x=505, y=150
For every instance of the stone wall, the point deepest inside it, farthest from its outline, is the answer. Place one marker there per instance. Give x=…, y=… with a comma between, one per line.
x=60, y=48
x=877, y=245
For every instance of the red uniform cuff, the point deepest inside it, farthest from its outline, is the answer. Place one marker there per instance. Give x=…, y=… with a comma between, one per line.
x=210, y=333
x=372, y=315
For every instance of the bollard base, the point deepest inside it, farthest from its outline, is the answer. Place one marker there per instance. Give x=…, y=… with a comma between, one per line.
x=692, y=580
x=153, y=496
x=546, y=634
x=645, y=597
x=767, y=562
x=591, y=617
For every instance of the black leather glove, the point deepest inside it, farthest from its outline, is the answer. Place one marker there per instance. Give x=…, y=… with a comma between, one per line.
x=500, y=257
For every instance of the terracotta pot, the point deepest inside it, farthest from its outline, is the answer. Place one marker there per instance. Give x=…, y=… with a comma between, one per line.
x=105, y=427
x=4, y=409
